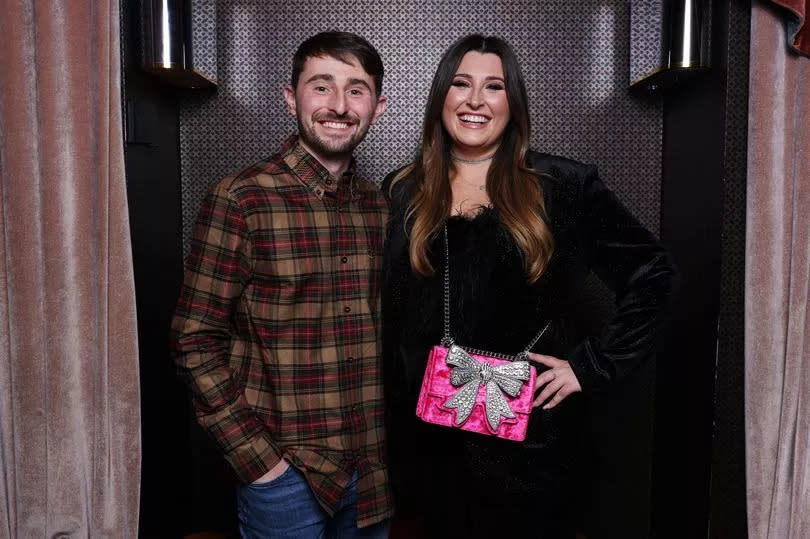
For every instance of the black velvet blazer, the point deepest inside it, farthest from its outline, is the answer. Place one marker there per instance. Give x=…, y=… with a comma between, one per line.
x=493, y=308
x=592, y=231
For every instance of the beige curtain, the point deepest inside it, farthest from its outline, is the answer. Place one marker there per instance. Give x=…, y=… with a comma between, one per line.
x=777, y=326
x=69, y=397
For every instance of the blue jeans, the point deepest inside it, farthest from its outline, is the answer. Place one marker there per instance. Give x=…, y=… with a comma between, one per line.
x=286, y=508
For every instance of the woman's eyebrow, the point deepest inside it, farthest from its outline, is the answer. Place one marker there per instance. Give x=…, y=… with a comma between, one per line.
x=490, y=77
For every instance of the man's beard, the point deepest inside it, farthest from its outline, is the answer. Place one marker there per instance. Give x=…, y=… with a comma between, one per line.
x=326, y=147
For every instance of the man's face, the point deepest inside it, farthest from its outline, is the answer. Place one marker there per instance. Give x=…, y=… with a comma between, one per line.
x=334, y=103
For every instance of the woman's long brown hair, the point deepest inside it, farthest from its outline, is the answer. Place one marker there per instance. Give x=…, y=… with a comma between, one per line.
x=514, y=189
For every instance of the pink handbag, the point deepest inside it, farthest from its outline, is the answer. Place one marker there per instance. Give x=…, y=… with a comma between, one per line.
x=475, y=390
x=477, y=393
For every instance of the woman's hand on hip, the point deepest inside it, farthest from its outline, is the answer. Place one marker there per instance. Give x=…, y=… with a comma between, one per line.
x=556, y=383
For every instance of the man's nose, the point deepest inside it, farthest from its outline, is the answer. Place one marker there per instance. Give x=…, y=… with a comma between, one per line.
x=338, y=103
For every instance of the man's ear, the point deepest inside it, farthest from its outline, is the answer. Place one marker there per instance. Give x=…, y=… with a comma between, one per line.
x=382, y=104
x=289, y=98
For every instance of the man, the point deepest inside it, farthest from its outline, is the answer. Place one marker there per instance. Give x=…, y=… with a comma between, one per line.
x=276, y=330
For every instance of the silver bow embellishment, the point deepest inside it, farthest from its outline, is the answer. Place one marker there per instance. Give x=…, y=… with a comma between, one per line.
x=471, y=373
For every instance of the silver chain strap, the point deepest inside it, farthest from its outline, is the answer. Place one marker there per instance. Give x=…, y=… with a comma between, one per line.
x=448, y=341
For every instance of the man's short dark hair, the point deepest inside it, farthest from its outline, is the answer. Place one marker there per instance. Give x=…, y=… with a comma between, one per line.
x=343, y=46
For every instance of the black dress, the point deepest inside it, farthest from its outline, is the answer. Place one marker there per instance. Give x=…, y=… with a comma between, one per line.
x=462, y=484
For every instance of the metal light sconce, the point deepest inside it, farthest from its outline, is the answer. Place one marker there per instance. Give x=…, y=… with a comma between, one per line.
x=168, y=39
x=669, y=42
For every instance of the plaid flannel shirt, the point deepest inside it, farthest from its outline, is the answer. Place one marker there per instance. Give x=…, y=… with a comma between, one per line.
x=276, y=330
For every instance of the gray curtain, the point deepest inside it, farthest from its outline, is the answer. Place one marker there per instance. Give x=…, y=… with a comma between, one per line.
x=777, y=325
x=69, y=397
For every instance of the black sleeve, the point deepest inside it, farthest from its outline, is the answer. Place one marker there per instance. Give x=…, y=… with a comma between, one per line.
x=399, y=416
x=395, y=272
x=631, y=261
x=385, y=186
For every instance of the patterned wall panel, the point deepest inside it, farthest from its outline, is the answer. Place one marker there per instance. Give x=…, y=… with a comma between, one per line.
x=646, y=36
x=574, y=57
x=204, y=37
x=728, y=494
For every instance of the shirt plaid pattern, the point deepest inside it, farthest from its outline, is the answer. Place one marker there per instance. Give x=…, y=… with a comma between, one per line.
x=276, y=330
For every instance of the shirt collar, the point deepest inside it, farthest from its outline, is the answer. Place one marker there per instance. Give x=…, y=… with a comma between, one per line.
x=310, y=171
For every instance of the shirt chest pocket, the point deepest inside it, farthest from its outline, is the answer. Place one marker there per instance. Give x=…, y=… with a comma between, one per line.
x=317, y=256
x=291, y=265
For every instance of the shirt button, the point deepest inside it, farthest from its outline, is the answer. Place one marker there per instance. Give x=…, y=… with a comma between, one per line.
x=350, y=358
x=344, y=259
x=370, y=253
x=347, y=309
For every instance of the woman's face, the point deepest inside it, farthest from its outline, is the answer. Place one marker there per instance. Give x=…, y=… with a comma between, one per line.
x=476, y=109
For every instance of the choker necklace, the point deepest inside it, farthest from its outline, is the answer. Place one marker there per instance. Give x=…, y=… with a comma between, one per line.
x=454, y=157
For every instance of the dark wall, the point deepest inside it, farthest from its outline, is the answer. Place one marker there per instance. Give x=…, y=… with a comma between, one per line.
x=728, y=488
x=152, y=167
x=699, y=469
x=178, y=462
x=691, y=213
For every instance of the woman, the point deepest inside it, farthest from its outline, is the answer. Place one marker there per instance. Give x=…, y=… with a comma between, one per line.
x=523, y=230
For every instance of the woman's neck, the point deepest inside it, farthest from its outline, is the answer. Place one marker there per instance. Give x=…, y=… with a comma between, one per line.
x=472, y=156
